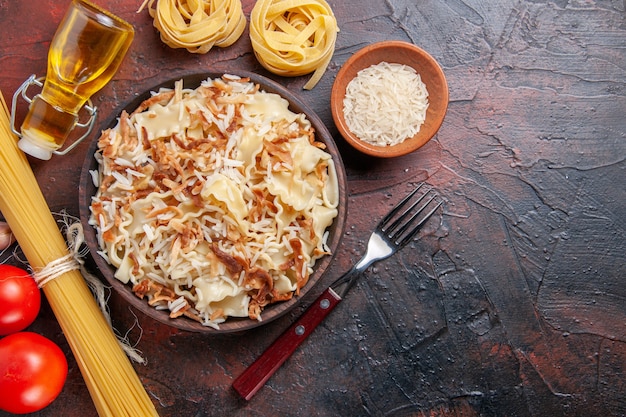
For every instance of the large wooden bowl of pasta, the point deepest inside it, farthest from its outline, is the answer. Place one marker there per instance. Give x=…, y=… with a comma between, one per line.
x=213, y=202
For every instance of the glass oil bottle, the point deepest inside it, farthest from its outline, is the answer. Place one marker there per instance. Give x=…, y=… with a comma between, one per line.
x=85, y=53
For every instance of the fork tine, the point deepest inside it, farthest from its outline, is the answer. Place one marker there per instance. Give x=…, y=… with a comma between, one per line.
x=411, y=234
x=383, y=223
x=405, y=222
x=389, y=229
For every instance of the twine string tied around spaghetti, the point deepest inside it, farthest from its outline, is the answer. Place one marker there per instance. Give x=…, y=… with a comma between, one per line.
x=74, y=261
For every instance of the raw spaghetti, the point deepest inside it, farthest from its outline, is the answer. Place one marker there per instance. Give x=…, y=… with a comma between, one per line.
x=112, y=382
x=197, y=25
x=294, y=37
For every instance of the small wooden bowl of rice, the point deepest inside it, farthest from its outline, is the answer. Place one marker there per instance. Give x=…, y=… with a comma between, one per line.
x=389, y=99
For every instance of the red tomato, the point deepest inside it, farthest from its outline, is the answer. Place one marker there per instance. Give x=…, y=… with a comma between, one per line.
x=20, y=299
x=33, y=370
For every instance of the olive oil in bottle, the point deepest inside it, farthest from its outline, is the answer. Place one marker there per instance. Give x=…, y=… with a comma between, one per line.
x=85, y=53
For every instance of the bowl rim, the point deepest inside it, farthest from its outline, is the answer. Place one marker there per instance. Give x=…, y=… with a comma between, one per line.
x=232, y=324
x=348, y=71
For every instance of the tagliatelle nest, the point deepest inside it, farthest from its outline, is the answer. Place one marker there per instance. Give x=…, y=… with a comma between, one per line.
x=197, y=25
x=294, y=37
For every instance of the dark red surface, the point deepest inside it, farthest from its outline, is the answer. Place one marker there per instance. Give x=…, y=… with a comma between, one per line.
x=513, y=304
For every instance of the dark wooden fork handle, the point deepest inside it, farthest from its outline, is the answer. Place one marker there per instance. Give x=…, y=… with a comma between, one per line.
x=253, y=378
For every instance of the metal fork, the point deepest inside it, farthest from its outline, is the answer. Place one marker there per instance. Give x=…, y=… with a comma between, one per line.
x=392, y=233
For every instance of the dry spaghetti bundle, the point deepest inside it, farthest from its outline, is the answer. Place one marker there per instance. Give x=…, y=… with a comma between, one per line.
x=112, y=382
x=197, y=25
x=294, y=37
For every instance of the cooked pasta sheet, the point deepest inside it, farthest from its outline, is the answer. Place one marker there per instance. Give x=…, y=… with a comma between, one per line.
x=213, y=202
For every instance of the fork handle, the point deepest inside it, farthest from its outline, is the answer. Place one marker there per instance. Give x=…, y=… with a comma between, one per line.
x=253, y=378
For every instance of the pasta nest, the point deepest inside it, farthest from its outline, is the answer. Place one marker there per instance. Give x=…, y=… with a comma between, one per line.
x=294, y=37
x=197, y=25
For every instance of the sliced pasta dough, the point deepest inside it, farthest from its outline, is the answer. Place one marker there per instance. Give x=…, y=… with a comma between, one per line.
x=214, y=202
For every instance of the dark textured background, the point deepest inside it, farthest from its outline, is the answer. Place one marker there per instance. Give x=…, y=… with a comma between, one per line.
x=513, y=304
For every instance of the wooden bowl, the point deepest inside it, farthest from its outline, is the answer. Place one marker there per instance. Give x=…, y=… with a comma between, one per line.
x=87, y=189
x=402, y=53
